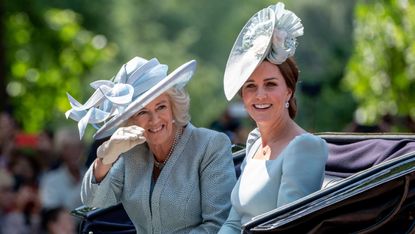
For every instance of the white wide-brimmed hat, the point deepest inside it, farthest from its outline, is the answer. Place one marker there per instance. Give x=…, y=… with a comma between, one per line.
x=114, y=101
x=271, y=33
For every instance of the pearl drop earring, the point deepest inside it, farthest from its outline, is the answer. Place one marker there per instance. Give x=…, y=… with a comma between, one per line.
x=287, y=105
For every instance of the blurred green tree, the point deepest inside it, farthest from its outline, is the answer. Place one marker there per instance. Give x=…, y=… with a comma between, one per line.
x=381, y=71
x=174, y=31
x=322, y=55
x=48, y=53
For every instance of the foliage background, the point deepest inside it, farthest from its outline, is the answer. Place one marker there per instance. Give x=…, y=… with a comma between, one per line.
x=381, y=72
x=53, y=47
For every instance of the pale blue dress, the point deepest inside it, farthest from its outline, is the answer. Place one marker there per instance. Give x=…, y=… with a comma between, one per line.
x=268, y=184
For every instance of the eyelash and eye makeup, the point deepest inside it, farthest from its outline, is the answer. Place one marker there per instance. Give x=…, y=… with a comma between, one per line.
x=139, y=114
x=143, y=112
x=250, y=85
x=267, y=84
x=271, y=84
x=161, y=107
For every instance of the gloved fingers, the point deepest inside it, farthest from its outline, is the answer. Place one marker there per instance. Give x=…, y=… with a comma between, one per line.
x=138, y=140
x=135, y=128
x=128, y=132
x=130, y=129
x=135, y=132
x=130, y=136
x=134, y=137
x=108, y=160
x=101, y=155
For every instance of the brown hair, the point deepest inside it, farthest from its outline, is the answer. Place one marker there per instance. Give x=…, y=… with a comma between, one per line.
x=289, y=71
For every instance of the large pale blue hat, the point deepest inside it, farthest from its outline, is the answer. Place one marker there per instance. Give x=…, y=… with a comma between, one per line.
x=271, y=33
x=114, y=101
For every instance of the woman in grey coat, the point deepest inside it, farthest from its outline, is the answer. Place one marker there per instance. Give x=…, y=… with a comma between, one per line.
x=171, y=176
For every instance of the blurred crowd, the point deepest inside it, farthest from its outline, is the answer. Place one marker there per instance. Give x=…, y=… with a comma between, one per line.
x=41, y=174
x=40, y=179
x=232, y=122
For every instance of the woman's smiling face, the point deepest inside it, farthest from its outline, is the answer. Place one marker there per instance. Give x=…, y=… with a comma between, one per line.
x=265, y=93
x=157, y=120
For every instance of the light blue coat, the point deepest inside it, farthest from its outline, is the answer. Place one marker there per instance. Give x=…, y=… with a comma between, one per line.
x=191, y=195
x=265, y=185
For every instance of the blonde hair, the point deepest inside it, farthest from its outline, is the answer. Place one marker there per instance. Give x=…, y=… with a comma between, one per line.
x=180, y=102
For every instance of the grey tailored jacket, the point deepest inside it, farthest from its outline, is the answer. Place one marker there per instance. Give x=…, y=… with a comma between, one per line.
x=191, y=195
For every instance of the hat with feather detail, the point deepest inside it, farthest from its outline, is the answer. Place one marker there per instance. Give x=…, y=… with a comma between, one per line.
x=270, y=34
x=114, y=101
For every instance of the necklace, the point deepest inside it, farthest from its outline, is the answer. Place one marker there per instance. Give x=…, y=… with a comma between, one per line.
x=160, y=165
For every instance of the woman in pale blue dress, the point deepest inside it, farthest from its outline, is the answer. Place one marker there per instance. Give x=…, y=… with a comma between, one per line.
x=283, y=161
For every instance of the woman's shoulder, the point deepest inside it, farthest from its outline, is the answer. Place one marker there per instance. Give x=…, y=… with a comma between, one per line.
x=308, y=143
x=206, y=135
x=206, y=142
x=309, y=139
x=205, y=131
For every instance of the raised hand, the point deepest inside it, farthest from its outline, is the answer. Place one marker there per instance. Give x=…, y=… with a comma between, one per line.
x=121, y=141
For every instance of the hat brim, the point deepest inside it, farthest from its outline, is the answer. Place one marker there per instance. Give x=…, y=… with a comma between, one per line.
x=243, y=60
x=178, y=77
